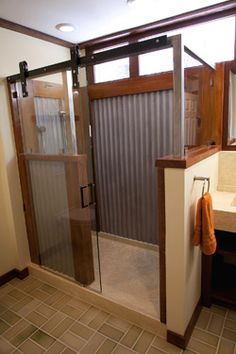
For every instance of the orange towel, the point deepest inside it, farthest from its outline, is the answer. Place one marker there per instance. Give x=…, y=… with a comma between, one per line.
x=204, y=229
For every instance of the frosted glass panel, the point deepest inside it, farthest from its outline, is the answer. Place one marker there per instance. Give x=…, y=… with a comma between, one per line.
x=48, y=183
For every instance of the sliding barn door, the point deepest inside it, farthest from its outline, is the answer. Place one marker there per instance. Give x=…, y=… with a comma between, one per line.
x=57, y=177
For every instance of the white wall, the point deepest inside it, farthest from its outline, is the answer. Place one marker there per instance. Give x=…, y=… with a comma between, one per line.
x=15, y=47
x=183, y=261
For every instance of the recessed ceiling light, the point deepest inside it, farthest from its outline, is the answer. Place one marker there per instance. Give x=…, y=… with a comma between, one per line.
x=65, y=27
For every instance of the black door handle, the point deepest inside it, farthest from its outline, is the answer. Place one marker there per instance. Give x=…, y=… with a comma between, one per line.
x=91, y=186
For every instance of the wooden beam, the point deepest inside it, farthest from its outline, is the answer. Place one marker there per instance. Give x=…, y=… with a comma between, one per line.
x=186, y=19
x=140, y=84
x=33, y=33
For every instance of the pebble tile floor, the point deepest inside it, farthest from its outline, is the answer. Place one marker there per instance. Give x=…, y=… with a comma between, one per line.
x=37, y=318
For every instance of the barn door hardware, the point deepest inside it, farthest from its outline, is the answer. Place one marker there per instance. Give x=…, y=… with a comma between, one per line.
x=74, y=52
x=23, y=75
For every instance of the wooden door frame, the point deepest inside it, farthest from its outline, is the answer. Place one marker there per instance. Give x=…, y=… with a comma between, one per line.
x=24, y=177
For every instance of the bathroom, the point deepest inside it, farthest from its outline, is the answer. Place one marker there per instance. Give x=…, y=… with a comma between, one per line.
x=115, y=227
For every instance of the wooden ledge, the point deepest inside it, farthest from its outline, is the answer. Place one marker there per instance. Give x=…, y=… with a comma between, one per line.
x=193, y=156
x=62, y=157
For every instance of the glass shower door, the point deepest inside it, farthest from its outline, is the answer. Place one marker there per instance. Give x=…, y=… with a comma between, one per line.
x=57, y=160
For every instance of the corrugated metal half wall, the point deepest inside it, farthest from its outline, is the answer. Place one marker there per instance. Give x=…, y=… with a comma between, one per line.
x=130, y=133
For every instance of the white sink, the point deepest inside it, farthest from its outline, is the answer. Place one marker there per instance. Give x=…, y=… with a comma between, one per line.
x=224, y=207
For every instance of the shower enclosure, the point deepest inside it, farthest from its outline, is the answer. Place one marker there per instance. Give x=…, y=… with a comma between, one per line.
x=87, y=168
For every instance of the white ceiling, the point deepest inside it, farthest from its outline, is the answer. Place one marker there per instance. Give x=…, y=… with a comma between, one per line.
x=92, y=18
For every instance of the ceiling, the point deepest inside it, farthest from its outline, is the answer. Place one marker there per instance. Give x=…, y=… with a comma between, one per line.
x=92, y=18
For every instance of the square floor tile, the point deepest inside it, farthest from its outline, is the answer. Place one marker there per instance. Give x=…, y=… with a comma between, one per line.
x=111, y=332
x=30, y=347
x=73, y=341
x=107, y=347
x=143, y=342
x=10, y=317
x=43, y=339
x=23, y=335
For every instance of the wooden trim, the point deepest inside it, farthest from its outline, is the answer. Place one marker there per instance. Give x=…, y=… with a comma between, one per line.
x=34, y=33
x=162, y=240
x=14, y=273
x=235, y=41
x=134, y=66
x=89, y=70
x=22, y=274
x=182, y=341
x=24, y=178
x=62, y=158
x=130, y=86
x=5, y=278
x=225, y=141
x=206, y=280
x=186, y=19
x=80, y=221
x=138, y=84
x=216, y=105
x=192, y=157
x=47, y=89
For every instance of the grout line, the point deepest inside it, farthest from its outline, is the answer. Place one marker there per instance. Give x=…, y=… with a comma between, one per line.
x=93, y=335
x=209, y=321
x=149, y=346
x=207, y=332
x=102, y=344
x=138, y=337
x=217, y=348
x=123, y=346
x=208, y=344
x=116, y=327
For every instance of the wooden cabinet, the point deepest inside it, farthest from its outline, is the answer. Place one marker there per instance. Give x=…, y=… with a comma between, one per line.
x=219, y=271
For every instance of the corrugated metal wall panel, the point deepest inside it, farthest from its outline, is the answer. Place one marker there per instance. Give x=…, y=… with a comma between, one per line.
x=48, y=184
x=131, y=132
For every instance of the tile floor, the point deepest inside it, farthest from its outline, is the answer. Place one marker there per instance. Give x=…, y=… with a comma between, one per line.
x=37, y=318
x=129, y=273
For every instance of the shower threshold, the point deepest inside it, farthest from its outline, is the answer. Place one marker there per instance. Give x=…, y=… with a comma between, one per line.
x=72, y=288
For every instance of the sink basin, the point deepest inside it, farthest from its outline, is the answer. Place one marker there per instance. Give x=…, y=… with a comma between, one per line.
x=224, y=208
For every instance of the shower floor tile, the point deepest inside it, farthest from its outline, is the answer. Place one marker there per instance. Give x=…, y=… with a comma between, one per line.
x=60, y=333
x=129, y=273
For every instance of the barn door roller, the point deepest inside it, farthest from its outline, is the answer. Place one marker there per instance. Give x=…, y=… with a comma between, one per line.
x=23, y=75
x=74, y=52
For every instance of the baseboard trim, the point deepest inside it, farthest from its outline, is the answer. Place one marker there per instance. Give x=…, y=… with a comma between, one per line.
x=14, y=273
x=22, y=274
x=182, y=341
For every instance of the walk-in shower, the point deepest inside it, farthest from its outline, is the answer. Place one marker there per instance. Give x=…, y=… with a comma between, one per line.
x=87, y=166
